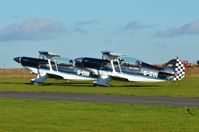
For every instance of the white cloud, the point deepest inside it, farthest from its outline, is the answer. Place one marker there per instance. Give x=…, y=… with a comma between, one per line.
x=187, y=29
x=81, y=30
x=33, y=29
x=88, y=22
x=134, y=25
x=83, y=26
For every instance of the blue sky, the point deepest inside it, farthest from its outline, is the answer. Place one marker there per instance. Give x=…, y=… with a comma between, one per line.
x=154, y=31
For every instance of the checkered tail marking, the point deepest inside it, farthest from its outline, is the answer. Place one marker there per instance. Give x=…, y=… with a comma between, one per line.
x=179, y=70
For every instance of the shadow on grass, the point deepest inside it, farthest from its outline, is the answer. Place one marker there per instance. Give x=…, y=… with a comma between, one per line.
x=14, y=83
x=81, y=84
x=85, y=84
x=75, y=84
x=139, y=86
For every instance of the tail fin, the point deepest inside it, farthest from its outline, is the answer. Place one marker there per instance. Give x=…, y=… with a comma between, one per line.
x=178, y=68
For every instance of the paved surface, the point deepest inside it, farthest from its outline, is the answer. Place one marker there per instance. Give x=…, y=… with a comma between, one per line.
x=190, y=102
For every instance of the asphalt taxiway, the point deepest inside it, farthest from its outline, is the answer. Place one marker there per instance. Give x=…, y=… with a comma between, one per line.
x=171, y=101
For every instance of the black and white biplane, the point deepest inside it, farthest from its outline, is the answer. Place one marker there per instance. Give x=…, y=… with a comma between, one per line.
x=110, y=67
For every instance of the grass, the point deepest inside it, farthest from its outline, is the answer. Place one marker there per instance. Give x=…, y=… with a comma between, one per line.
x=36, y=115
x=187, y=87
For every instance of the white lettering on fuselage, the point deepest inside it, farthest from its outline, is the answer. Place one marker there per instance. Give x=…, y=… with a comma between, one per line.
x=83, y=73
x=151, y=74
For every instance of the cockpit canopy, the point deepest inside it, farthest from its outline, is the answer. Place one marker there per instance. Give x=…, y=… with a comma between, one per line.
x=62, y=61
x=130, y=61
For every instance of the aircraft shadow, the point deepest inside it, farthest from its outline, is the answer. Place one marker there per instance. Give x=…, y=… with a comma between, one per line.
x=112, y=86
x=51, y=84
x=84, y=84
x=138, y=86
x=13, y=83
x=70, y=84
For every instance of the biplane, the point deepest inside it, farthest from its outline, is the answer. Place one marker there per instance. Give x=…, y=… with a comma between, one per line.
x=111, y=66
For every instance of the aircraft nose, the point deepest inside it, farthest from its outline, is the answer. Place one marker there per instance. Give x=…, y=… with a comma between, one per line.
x=17, y=59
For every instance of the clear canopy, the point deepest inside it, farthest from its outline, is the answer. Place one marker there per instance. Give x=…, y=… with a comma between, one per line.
x=130, y=61
x=60, y=60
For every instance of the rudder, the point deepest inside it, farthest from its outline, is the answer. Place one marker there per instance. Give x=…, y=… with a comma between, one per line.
x=179, y=70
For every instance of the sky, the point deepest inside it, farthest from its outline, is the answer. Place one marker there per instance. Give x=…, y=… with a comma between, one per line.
x=154, y=31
